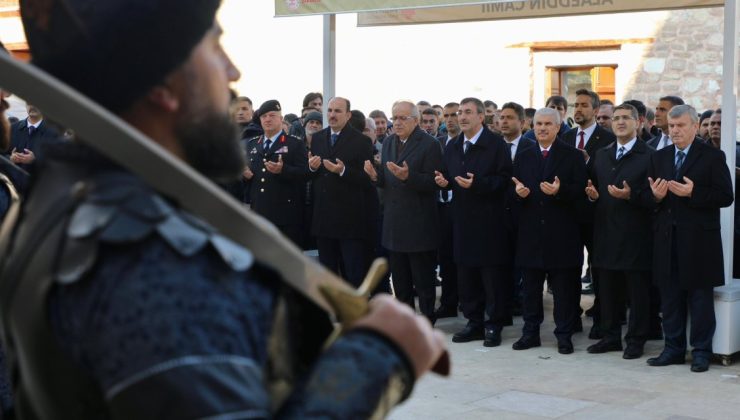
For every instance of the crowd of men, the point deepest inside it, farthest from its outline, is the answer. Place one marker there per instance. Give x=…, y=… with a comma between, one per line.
x=503, y=201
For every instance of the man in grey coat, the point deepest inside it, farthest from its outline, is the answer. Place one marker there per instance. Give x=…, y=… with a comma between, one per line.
x=409, y=159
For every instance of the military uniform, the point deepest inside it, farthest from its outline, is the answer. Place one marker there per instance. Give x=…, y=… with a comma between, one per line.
x=279, y=197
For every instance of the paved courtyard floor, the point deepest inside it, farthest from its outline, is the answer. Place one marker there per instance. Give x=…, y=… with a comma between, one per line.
x=539, y=383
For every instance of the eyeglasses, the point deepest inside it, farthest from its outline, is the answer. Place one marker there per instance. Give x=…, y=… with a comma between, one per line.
x=404, y=118
x=428, y=121
x=622, y=117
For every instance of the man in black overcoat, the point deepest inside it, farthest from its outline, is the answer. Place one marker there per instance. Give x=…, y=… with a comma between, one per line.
x=410, y=232
x=549, y=179
x=690, y=182
x=622, y=250
x=478, y=169
x=338, y=154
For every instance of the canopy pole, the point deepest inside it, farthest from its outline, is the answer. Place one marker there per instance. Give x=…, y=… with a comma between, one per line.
x=729, y=123
x=330, y=62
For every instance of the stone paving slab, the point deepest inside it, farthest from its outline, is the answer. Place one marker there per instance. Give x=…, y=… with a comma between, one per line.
x=539, y=383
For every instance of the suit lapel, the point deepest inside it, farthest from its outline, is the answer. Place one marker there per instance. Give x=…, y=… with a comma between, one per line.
x=669, y=162
x=411, y=143
x=341, y=140
x=612, y=152
x=691, y=158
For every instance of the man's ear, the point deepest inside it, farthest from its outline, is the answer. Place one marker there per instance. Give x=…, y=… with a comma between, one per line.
x=164, y=98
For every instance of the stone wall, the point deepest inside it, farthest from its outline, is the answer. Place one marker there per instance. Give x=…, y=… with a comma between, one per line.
x=685, y=60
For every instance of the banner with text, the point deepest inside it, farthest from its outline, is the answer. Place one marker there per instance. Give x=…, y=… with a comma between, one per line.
x=320, y=7
x=521, y=10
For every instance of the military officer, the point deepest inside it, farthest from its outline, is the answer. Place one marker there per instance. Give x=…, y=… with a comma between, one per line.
x=277, y=167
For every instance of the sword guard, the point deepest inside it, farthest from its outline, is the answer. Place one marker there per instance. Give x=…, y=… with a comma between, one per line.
x=351, y=306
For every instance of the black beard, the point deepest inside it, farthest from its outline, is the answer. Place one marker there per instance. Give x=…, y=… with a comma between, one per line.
x=211, y=146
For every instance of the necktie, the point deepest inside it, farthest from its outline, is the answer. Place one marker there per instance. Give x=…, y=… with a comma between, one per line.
x=334, y=139
x=31, y=130
x=666, y=141
x=679, y=161
x=511, y=150
x=582, y=141
x=545, y=153
x=620, y=153
x=267, y=144
x=401, y=146
x=466, y=146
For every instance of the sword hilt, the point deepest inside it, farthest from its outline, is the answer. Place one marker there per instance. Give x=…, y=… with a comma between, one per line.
x=351, y=306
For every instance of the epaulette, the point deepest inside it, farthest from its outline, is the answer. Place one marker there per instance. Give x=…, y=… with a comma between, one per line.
x=121, y=210
x=295, y=137
x=253, y=139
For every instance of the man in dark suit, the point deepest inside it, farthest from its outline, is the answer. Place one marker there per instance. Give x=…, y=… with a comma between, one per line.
x=29, y=137
x=478, y=169
x=276, y=173
x=549, y=179
x=622, y=251
x=338, y=154
x=588, y=137
x=409, y=160
x=449, y=300
x=665, y=104
x=511, y=121
x=690, y=182
x=560, y=104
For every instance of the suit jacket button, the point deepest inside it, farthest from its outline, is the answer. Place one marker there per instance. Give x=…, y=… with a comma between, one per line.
x=263, y=169
x=262, y=190
x=263, y=179
x=542, y=222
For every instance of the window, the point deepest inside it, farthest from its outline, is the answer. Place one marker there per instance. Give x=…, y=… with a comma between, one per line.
x=565, y=81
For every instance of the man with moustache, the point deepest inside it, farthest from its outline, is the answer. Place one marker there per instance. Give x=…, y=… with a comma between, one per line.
x=622, y=251
x=276, y=171
x=604, y=116
x=448, y=300
x=549, y=180
x=477, y=170
x=409, y=161
x=336, y=160
x=690, y=182
x=118, y=303
x=715, y=128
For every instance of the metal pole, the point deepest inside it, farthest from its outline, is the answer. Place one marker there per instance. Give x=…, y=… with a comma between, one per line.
x=330, y=62
x=729, y=123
